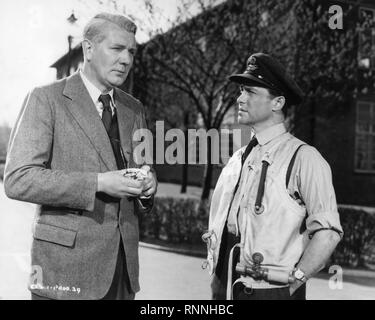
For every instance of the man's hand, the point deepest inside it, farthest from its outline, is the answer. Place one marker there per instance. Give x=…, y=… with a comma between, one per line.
x=316, y=254
x=116, y=185
x=149, y=183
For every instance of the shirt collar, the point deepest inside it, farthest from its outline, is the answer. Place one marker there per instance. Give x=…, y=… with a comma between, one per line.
x=271, y=133
x=94, y=92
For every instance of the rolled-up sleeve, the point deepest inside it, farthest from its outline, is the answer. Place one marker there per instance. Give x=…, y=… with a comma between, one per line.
x=314, y=180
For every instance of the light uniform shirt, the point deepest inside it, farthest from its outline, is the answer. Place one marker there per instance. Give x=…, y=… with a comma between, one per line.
x=280, y=233
x=310, y=183
x=95, y=93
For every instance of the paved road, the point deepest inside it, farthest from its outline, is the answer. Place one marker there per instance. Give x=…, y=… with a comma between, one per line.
x=163, y=275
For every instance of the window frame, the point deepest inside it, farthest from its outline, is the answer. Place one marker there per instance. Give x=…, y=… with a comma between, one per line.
x=371, y=58
x=370, y=132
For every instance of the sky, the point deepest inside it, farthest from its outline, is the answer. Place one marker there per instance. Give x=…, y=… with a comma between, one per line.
x=34, y=35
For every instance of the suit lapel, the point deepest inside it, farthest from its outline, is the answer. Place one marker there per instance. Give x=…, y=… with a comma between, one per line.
x=125, y=118
x=84, y=111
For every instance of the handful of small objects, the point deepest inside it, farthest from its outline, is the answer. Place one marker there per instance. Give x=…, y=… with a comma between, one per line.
x=135, y=173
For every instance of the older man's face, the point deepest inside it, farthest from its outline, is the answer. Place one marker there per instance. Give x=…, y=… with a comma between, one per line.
x=112, y=58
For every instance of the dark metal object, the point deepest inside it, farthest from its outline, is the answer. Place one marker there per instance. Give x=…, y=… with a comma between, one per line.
x=259, y=208
x=257, y=272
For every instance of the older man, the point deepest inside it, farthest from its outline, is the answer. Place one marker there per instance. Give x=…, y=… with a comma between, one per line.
x=274, y=201
x=67, y=153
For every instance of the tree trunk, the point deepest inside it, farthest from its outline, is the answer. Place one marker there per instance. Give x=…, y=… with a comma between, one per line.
x=207, y=178
x=184, y=182
x=312, y=121
x=185, y=166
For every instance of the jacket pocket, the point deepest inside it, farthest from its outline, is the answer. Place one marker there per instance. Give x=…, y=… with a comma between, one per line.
x=61, y=210
x=57, y=235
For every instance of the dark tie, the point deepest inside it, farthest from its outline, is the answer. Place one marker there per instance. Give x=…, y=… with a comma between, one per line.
x=253, y=142
x=105, y=99
x=111, y=125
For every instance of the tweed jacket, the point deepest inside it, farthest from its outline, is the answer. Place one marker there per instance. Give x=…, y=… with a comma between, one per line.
x=57, y=147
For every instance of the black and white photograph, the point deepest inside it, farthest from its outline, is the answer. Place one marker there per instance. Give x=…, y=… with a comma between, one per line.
x=187, y=150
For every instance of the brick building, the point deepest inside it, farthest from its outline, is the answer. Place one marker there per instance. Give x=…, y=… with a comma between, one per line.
x=344, y=132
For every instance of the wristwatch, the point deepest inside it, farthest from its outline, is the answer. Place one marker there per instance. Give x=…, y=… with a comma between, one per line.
x=299, y=275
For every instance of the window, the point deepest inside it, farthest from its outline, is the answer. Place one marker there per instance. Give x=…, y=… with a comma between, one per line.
x=366, y=52
x=365, y=137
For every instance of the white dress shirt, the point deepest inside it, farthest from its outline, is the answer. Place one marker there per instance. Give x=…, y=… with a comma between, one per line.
x=95, y=93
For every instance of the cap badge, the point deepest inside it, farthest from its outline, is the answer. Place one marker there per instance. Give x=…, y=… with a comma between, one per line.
x=251, y=66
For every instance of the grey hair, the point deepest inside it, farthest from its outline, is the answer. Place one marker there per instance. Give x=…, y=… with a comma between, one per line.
x=93, y=31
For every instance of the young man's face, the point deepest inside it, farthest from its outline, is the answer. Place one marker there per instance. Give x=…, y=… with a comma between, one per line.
x=254, y=105
x=112, y=58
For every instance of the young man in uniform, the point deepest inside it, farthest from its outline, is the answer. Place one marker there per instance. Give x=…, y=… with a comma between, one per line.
x=273, y=220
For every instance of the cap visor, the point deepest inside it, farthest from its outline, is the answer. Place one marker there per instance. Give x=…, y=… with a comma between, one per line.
x=248, y=79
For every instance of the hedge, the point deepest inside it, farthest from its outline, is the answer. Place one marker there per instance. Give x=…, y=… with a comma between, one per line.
x=175, y=220
x=357, y=247
x=184, y=220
